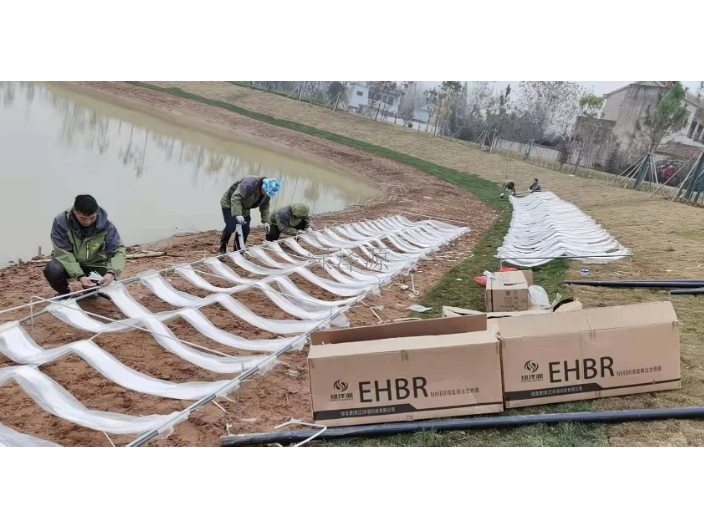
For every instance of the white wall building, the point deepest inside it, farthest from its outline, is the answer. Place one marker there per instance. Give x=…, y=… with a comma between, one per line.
x=359, y=97
x=364, y=96
x=627, y=107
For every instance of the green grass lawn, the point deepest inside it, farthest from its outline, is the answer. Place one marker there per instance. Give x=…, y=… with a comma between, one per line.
x=462, y=293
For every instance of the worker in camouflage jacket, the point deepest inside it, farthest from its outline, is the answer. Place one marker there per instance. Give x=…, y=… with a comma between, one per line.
x=84, y=241
x=239, y=200
x=289, y=221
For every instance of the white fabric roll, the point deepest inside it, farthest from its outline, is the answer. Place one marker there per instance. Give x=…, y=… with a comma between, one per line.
x=17, y=345
x=56, y=400
x=544, y=228
x=11, y=438
x=167, y=293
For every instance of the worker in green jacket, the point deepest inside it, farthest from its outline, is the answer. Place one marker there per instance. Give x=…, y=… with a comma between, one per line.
x=84, y=241
x=239, y=200
x=289, y=221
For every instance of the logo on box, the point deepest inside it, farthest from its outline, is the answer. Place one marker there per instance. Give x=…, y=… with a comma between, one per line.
x=532, y=367
x=341, y=387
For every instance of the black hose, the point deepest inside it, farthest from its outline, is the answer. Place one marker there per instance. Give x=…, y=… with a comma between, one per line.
x=688, y=292
x=370, y=431
x=663, y=285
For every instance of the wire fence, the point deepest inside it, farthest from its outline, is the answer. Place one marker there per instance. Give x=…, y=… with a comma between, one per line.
x=329, y=94
x=336, y=95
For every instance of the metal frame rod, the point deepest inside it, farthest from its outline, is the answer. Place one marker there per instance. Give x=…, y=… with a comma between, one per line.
x=675, y=174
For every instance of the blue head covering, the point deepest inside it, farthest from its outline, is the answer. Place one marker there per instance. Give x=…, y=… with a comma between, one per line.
x=271, y=187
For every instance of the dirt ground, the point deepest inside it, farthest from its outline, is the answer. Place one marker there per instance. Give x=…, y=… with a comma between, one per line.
x=261, y=403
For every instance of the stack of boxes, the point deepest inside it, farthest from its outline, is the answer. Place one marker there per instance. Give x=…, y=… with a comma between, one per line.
x=459, y=367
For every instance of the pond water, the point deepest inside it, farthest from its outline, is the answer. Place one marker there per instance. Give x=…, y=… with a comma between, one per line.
x=154, y=178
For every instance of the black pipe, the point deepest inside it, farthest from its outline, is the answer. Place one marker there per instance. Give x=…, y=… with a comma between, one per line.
x=688, y=292
x=644, y=281
x=370, y=431
x=662, y=285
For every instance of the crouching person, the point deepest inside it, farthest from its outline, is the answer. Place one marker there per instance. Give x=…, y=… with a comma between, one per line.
x=509, y=187
x=289, y=221
x=84, y=241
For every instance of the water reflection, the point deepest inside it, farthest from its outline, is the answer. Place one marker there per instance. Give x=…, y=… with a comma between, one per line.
x=63, y=143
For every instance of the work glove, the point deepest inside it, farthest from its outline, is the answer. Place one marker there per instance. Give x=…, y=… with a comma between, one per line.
x=309, y=229
x=239, y=219
x=267, y=228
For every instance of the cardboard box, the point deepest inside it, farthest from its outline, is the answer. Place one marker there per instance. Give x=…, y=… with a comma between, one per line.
x=590, y=354
x=508, y=292
x=406, y=371
x=451, y=311
x=494, y=317
x=571, y=306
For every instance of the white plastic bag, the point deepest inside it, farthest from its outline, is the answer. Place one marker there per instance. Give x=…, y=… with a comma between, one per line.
x=539, y=297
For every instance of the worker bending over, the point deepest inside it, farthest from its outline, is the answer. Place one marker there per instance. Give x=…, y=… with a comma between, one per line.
x=289, y=221
x=84, y=241
x=509, y=187
x=536, y=187
x=239, y=200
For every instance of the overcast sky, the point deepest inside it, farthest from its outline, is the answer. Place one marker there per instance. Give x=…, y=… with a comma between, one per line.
x=601, y=87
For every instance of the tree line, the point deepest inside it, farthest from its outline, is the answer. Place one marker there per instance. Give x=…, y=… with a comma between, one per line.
x=558, y=114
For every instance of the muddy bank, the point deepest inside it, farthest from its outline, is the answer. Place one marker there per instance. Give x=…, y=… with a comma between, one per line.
x=262, y=402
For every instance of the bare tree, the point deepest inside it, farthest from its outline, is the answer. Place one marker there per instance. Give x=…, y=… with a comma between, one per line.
x=479, y=99
x=470, y=109
x=592, y=141
x=449, y=96
x=409, y=102
x=337, y=91
x=548, y=107
x=499, y=112
x=432, y=101
x=590, y=134
x=379, y=92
